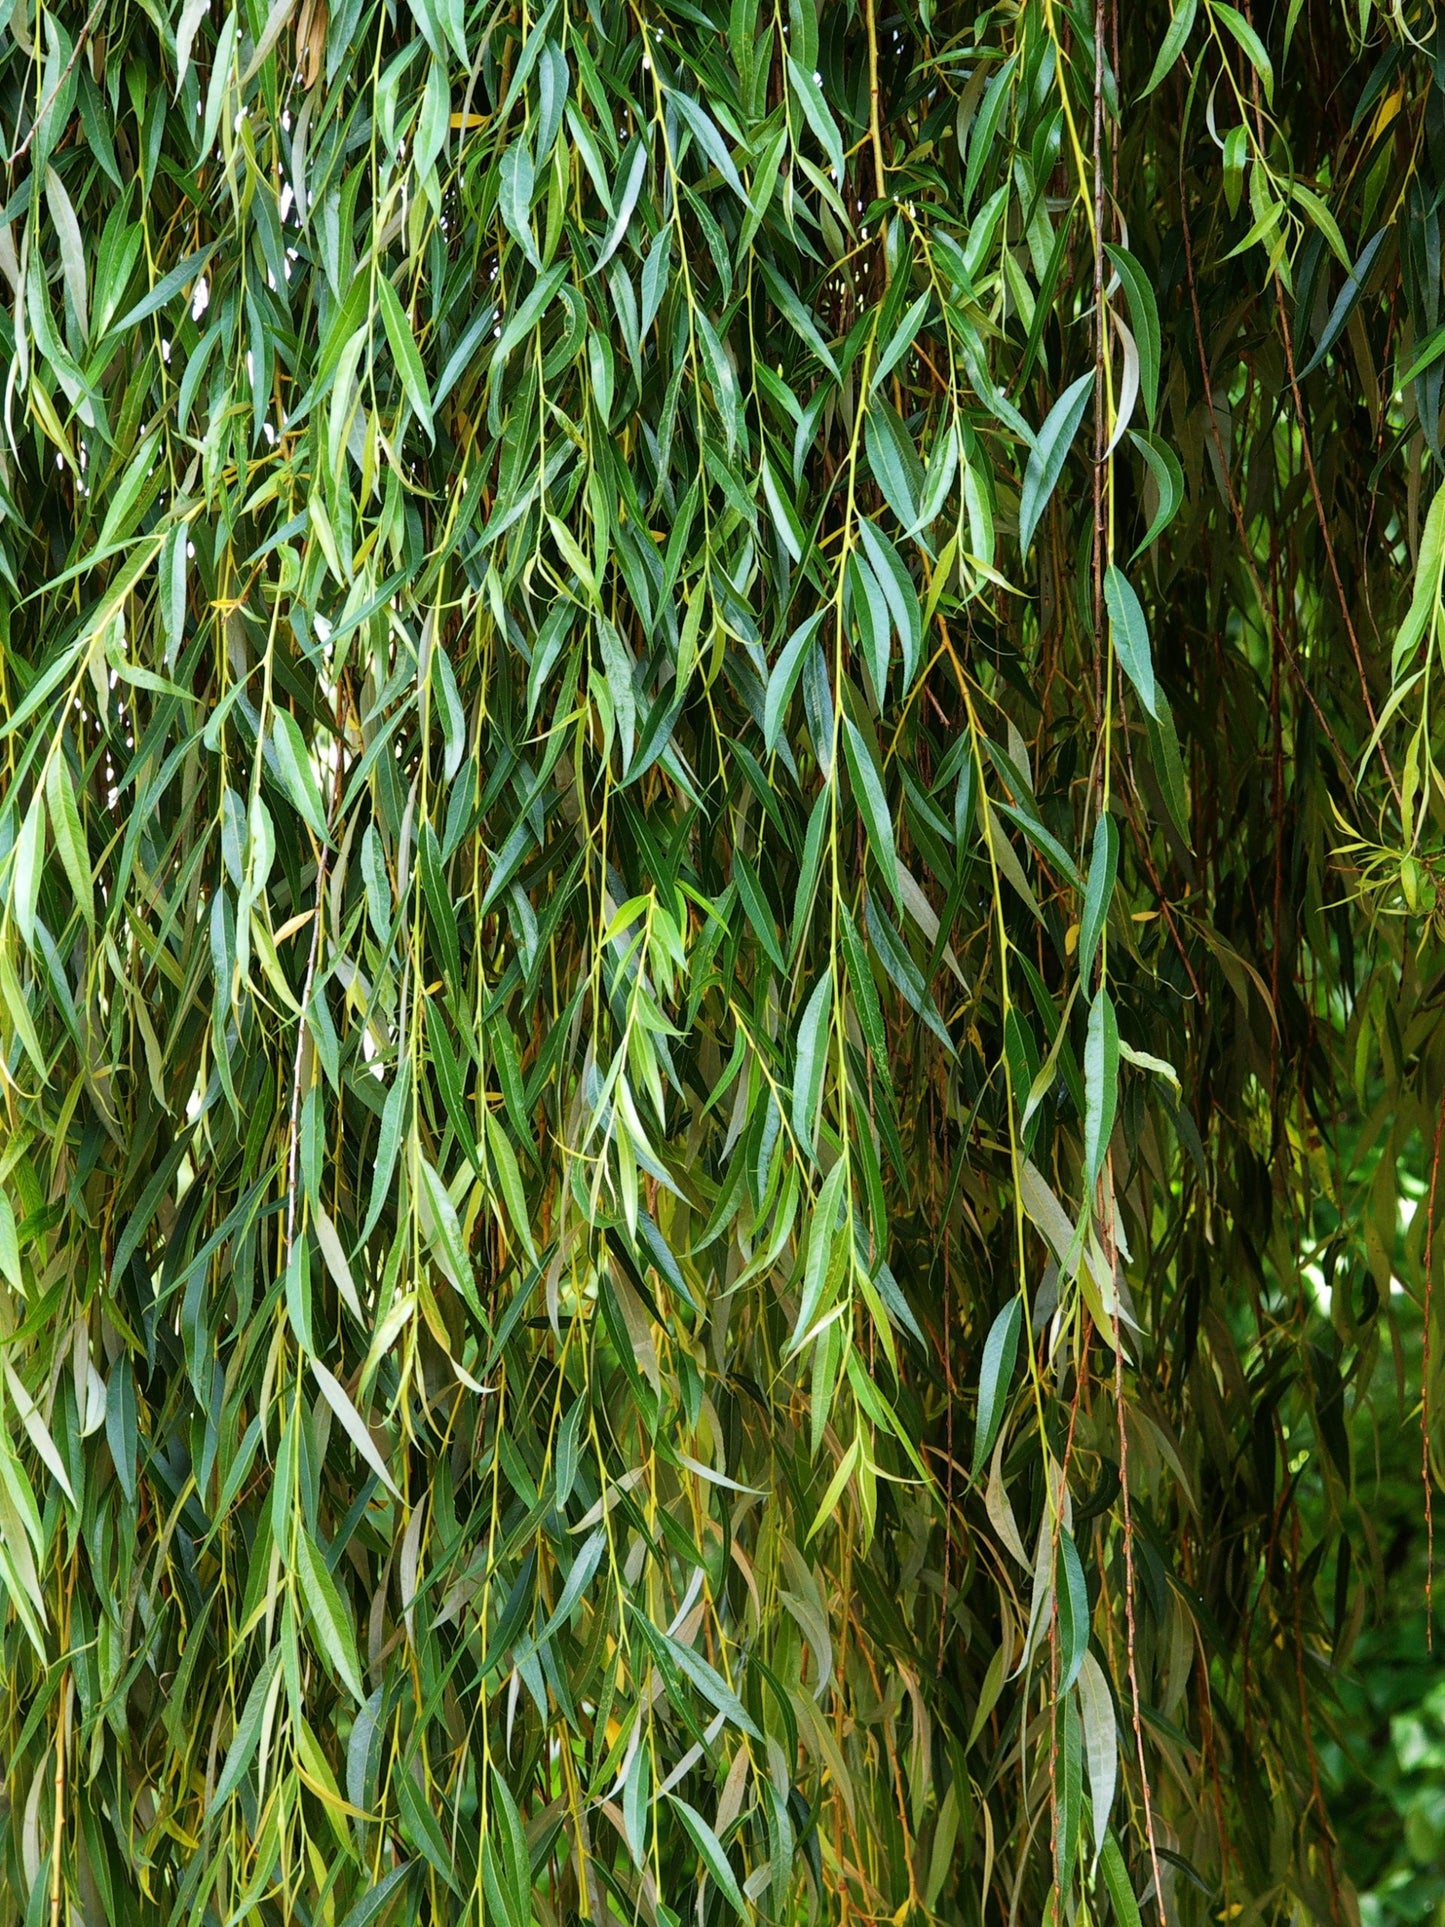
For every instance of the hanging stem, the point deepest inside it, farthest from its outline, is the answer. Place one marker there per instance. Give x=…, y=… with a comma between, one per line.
x=875, y=129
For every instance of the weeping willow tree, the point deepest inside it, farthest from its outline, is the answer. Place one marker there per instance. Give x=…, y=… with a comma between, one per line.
x=721, y=1001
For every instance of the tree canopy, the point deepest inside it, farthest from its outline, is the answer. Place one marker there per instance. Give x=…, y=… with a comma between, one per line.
x=722, y=1033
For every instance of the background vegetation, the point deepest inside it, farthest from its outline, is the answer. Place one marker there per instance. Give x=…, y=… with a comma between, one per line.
x=720, y=975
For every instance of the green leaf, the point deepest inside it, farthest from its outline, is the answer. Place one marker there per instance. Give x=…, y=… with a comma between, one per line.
x=9, y=1244
x=617, y=667
x=1144, y=316
x=173, y=570
x=462, y=356
x=1169, y=766
x=443, y=1229
x=1253, y=46
x=837, y=1485
x=789, y=529
x=432, y=123
x=584, y=1567
x=865, y=996
x=783, y=677
x=166, y=289
x=1101, y=1083
x=192, y=14
x=636, y=1792
x=515, y=183
x=983, y=138
x=709, y=140
x=1044, y=841
x=626, y=203
x=1000, y=1351
x=822, y=1236
x=1047, y=457
x=1073, y=1610
x=1236, y=156
x=72, y=247
x=69, y=834
x=722, y=378
x=943, y=470
x=1068, y=1790
x=508, y=1177
x=404, y=353
x=26, y=869
x=1319, y=212
x=293, y=760
x=758, y=910
x=1425, y=601
x=453, y=716
x=1099, y=893
x=872, y=804
x=799, y=318
x=812, y=1058
x=1424, y=355
x=1117, y=1884
x=901, y=340
x=815, y=112
x=1101, y=1742
x=515, y=1860
x=374, y=1901
x=901, y=596
x=388, y=1143
x=18, y=1006
x=124, y=507
x=1173, y=45
x=893, y=460
x=871, y=620
x=247, y=1736
x=1129, y=633
x=352, y=1423
x=711, y=1684
x=710, y=1850
x=1163, y=465
x=422, y=1826
x=1349, y=295
x=327, y=1616
x=122, y=1429
x=38, y=1431
x=453, y=17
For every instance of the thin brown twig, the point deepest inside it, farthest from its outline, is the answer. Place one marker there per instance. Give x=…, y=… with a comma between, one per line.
x=1231, y=496
x=1315, y=492
x=1156, y=882
x=1327, y=538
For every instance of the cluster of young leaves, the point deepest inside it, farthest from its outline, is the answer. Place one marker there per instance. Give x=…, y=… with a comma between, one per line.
x=710, y=1022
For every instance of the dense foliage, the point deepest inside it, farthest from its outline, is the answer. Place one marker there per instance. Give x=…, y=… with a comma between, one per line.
x=720, y=983
x=1382, y=1752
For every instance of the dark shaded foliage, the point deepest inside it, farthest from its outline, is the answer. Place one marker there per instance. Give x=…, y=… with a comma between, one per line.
x=719, y=951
